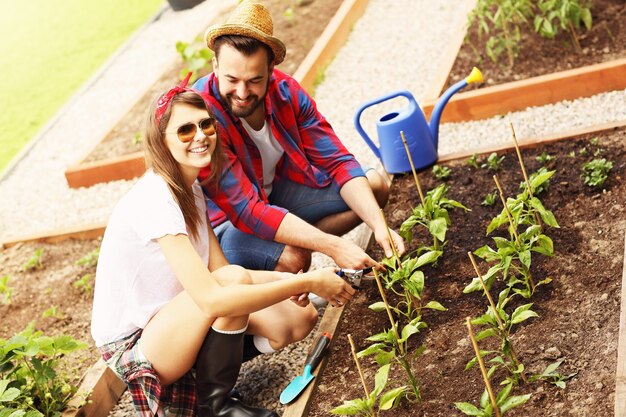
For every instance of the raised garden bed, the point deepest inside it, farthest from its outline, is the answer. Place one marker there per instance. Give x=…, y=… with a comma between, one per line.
x=579, y=316
x=313, y=33
x=546, y=71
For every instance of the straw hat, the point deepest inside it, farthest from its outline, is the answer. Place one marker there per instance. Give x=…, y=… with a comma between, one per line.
x=252, y=20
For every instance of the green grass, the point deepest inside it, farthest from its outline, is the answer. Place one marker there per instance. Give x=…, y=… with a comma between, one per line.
x=49, y=48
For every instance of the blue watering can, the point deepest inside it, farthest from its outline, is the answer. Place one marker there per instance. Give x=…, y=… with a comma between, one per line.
x=422, y=138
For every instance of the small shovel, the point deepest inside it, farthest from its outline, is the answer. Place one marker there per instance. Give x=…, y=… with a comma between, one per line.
x=299, y=383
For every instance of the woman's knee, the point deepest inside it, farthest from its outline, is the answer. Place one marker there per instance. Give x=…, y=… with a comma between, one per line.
x=300, y=328
x=379, y=186
x=294, y=260
x=232, y=275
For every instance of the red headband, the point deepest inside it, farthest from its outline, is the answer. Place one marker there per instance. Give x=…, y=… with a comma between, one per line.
x=166, y=99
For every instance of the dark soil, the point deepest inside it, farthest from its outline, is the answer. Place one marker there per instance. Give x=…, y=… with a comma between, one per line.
x=578, y=312
x=605, y=41
x=299, y=33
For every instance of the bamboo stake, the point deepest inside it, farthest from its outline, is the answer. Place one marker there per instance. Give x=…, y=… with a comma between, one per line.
x=358, y=365
x=508, y=214
x=521, y=163
x=417, y=182
x=483, y=370
x=493, y=306
x=393, y=323
x=393, y=246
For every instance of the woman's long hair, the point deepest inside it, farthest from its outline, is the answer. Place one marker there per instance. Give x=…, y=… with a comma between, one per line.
x=160, y=159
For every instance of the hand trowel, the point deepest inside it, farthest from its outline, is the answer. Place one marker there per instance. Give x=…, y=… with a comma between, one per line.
x=300, y=382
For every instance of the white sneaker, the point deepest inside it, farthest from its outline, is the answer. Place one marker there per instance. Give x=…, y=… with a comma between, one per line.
x=317, y=301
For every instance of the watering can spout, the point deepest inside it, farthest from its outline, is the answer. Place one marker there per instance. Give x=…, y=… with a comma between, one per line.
x=474, y=77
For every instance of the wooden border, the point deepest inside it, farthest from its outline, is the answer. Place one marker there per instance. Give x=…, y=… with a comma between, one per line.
x=85, y=174
x=301, y=407
x=620, y=375
x=536, y=91
x=83, y=232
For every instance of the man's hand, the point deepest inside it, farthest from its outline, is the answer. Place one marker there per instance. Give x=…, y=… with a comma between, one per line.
x=347, y=254
x=382, y=237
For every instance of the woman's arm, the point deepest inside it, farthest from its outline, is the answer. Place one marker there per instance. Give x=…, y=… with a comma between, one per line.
x=236, y=300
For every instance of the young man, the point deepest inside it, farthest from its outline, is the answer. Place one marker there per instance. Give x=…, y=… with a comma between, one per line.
x=290, y=187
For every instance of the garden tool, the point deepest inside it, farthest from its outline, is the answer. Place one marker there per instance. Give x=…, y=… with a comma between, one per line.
x=300, y=382
x=354, y=276
x=422, y=138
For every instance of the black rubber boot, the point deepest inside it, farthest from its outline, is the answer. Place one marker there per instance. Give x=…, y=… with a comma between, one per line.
x=217, y=369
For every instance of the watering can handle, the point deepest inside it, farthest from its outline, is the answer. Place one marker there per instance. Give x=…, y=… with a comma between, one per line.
x=357, y=116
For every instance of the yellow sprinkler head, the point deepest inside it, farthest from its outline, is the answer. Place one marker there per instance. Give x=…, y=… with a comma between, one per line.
x=475, y=76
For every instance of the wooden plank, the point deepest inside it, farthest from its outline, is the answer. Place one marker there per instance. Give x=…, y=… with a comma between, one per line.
x=97, y=394
x=119, y=168
x=329, y=323
x=455, y=41
x=329, y=43
x=83, y=232
x=620, y=375
x=536, y=91
x=533, y=142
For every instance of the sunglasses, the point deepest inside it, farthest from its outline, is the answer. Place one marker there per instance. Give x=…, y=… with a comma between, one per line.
x=188, y=131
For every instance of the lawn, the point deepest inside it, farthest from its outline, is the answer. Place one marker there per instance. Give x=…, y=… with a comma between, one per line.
x=49, y=49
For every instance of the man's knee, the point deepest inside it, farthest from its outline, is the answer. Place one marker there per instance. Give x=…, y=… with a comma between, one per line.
x=294, y=260
x=232, y=275
x=379, y=186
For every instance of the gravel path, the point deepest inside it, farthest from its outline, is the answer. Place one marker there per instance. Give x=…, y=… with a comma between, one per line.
x=395, y=45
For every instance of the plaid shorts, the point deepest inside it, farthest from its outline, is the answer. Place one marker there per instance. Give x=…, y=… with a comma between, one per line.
x=150, y=398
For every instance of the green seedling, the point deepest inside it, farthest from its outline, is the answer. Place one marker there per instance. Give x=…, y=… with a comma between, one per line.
x=432, y=215
x=596, y=172
x=583, y=151
x=493, y=163
x=543, y=158
x=367, y=406
x=594, y=141
x=567, y=15
x=540, y=179
x=30, y=382
x=137, y=139
x=90, y=259
x=53, y=312
x=441, y=173
x=289, y=16
x=34, y=262
x=490, y=199
x=572, y=154
x=552, y=376
x=196, y=57
x=473, y=161
x=504, y=401
x=5, y=290
x=84, y=284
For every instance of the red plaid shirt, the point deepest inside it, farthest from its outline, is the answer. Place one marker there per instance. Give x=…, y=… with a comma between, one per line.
x=314, y=156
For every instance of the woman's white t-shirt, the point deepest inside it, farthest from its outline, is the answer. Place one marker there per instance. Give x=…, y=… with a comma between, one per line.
x=133, y=278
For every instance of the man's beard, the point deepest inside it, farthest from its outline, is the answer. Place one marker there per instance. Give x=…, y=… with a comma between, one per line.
x=245, y=111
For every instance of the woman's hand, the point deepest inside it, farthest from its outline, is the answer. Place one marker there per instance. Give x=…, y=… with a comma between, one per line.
x=330, y=286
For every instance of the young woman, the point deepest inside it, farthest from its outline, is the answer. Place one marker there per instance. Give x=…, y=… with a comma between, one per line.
x=166, y=301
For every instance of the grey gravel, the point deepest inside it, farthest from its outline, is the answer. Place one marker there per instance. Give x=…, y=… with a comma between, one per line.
x=395, y=45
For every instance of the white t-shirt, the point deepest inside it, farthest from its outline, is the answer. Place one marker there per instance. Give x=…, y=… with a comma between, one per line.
x=270, y=151
x=133, y=278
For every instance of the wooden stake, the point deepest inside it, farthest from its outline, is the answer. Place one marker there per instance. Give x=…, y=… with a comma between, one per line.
x=417, y=182
x=521, y=163
x=492, y=397
x=493, y=306
x=384, y=297
x=393, y=246
x=358, y=365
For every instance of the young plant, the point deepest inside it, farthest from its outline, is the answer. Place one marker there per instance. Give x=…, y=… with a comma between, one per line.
x=53, y=312
x=137, y=138
x=441, y=172
x=557, y=15
x=35, y=261
x=90, y=259
x=596, y=172
x=544, y=157
x=490, y=199
x=5, y=290
x=29, y=363
x=84, y=284
x=493, y=163
x=473, y=161
x=541, y=179
x=504, y=401
x=432, y=215
x=552, y=376
x=196, y=57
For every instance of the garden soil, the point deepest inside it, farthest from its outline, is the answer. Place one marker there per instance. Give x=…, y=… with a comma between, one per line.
x=605, y=41
x=578, y=311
